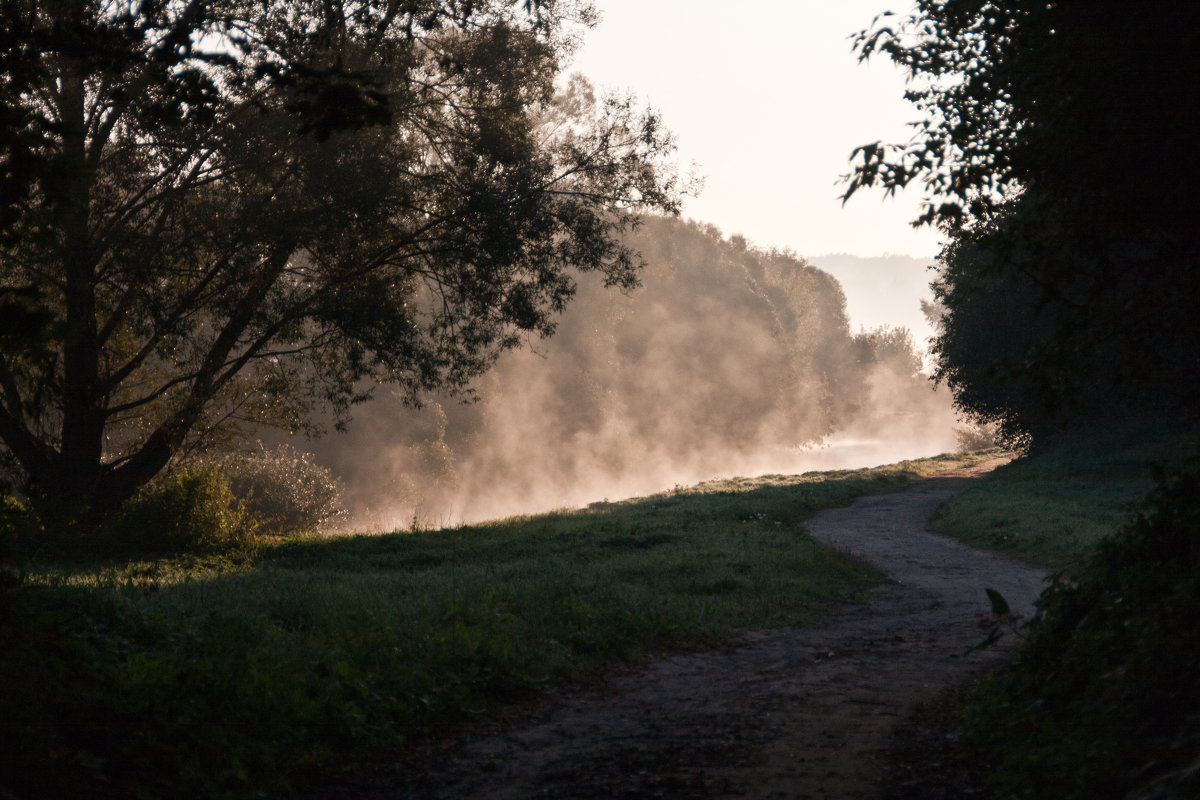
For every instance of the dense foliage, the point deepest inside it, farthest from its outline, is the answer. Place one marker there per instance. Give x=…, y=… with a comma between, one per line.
x=996, y=342
x=188, y=509
x=282, y=488
x=1104, y=698
x=229, y=213
x=1056, y=149
x=216, y=503
x=1103, y=334
x=1069, y=100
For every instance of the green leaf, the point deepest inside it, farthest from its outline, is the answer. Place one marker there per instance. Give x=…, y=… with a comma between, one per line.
x=999, y=604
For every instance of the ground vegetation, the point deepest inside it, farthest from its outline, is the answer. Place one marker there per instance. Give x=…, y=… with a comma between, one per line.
x=1102, y=700
x=255, y=670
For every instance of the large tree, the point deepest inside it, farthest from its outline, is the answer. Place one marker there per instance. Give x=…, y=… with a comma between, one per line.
x=1056, y=147
x=1088, y=100
x=228, y=211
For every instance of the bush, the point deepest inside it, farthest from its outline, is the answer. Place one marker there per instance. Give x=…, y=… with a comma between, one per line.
x=210, y=504
x=14, y=521
x=192, y=508
x=1103, y=699
x=284, y=489
x=974, y=437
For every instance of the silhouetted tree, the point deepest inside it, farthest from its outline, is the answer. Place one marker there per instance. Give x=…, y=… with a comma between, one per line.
x=229, y=212
x=1056, y=148
x=989, y=330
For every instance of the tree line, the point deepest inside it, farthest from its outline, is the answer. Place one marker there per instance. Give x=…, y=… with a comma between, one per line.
x=728, y=358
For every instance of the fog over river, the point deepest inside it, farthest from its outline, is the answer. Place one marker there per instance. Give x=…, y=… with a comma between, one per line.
x=729, y=360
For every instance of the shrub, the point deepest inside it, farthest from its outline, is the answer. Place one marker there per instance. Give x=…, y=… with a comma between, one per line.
x=191, y=508
x=284, y=489
x=217, y=503
x=1103, y=699
x=973, y=437
x=14, y=521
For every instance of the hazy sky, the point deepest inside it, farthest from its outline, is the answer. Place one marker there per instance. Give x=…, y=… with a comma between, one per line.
x=767, y=97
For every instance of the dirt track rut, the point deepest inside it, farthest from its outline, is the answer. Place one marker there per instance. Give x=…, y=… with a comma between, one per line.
x=804, y=712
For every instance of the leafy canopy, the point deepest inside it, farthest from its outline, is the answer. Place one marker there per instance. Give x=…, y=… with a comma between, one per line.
x=1083, y=100
x=1056, y=151
x=227, y=213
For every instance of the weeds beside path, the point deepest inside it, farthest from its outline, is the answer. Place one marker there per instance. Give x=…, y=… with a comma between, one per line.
x=790, y=712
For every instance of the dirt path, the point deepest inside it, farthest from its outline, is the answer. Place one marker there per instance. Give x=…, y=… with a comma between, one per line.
x=791, y=713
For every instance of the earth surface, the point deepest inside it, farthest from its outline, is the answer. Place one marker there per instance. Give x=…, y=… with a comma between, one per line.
x=857, y=705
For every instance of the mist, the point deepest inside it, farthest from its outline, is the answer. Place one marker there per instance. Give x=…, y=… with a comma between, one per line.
x=883, y=290
x=728, y=360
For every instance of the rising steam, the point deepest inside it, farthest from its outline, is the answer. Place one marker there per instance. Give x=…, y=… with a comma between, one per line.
x=729, y=360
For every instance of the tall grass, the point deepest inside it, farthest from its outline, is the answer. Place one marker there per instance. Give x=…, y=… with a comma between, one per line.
x=246, y=673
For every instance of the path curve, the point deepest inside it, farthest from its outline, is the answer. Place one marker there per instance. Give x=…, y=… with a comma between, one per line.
x=801, y=712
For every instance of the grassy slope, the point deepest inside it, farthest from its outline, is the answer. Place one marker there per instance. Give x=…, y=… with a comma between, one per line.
x=1052, y=507
x=238, y=674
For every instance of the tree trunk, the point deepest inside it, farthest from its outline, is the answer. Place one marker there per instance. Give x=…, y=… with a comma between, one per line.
x=69, y=490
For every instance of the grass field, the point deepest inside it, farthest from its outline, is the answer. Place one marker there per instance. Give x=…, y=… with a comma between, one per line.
x=246, y=673
x=1053, y=506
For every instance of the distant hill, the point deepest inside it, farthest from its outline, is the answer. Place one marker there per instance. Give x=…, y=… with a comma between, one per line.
x=884, y=290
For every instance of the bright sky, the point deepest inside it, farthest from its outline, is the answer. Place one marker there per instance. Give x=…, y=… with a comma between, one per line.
x=768, y=99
